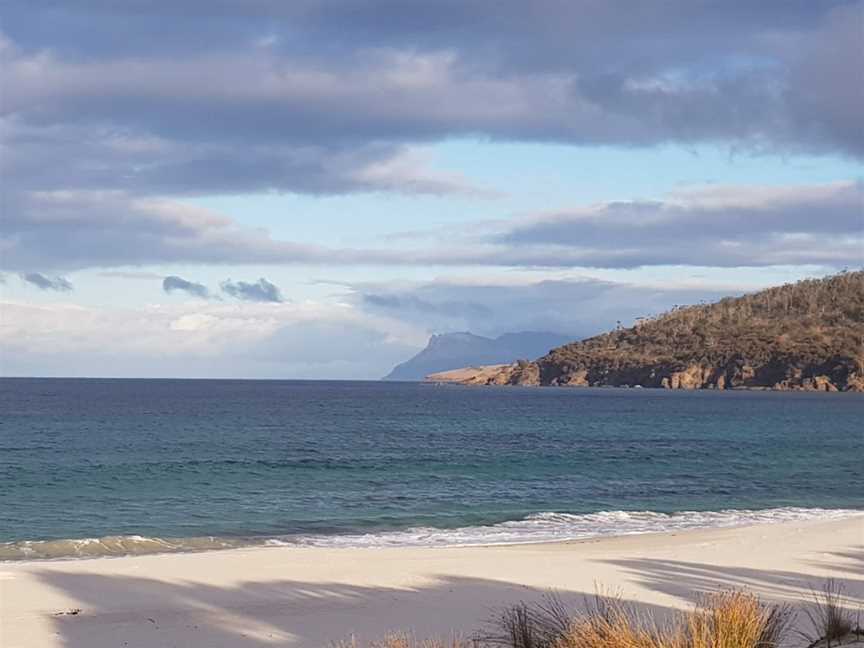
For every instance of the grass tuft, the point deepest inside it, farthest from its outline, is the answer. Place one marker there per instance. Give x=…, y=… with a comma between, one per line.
x=730, y=619
x=736, y=619
x=609, y=621
x=829, y=616
x=727, y=619
x=531, y=626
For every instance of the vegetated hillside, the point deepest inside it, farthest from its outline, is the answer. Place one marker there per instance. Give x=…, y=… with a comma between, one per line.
x=454, y=350
x=807, y=335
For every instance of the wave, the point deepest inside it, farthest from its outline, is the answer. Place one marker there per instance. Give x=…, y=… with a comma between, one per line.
x=129, y=545
x=557, y=527
x=535, y=528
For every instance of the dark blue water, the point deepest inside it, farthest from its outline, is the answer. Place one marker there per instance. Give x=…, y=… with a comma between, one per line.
x=249, y=459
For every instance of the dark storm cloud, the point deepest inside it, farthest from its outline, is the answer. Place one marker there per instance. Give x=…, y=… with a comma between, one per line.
x=259, y=291
x=174, y=283
x=58, y=284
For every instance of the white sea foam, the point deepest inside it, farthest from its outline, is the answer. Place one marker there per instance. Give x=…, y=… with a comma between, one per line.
x=555, y=527
x=110, y=546
x=538, y=527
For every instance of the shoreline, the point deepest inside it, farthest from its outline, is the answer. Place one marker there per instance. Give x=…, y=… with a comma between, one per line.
x=463, y=382
x=310, y=596
x=167, y=546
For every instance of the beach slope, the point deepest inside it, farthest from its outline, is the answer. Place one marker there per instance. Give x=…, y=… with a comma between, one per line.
x=285, y=596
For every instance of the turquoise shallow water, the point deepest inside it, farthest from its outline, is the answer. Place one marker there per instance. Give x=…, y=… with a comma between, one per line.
x=201, y=464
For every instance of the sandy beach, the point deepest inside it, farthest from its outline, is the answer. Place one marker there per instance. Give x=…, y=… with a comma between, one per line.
x=311, y=596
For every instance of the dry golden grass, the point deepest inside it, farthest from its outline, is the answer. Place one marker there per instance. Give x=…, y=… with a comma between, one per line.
x=734, y=620
x=611, y=622
x=728, y=619
x=725, y=620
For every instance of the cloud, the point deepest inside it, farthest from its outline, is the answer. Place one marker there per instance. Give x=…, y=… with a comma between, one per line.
x=85, y=229
x=409, y=302
x=156, y=165
x=174, y=283
x=357, y=335
x=718, y=226
x=339, y=100
x=578, y=307
x=723, y=226
x=351, y=337
x=309, y=340
x=58, y=284
x=103, y=138
x=260, y=291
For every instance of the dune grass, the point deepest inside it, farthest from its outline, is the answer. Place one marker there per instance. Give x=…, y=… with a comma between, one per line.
x=830, y=617
x=730, y=619
x=735, y=620
x=725, y=619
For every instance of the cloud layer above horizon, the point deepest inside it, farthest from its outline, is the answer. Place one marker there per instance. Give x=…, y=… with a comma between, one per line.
x=370, y=329
x=718, y=226
x=119, y=119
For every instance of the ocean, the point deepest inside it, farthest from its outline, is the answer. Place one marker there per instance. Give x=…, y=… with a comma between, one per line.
x=108, y=467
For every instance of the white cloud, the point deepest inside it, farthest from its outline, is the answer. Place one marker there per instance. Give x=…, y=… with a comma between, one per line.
x=305, y=340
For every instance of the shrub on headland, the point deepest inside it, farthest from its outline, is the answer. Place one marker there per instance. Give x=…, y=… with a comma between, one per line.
x=801, y=336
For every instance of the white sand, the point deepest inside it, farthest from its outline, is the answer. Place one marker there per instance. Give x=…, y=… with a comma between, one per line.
x=310, y=596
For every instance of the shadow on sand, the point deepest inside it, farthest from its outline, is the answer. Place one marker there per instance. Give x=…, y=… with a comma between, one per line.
x=148, y=613
x=143, y=612
x=685, y=580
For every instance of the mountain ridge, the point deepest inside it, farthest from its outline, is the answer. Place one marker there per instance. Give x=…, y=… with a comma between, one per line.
x=452, y=350
x=807, y=335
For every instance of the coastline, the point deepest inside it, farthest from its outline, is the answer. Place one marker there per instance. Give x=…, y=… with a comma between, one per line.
x=310, y=596
x=485, y=377
x=534, y=528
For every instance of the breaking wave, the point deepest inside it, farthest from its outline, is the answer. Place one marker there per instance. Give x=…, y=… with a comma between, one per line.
x=537, y=527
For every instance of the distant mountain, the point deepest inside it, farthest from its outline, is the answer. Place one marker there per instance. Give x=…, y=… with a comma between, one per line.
x=453, y=350
x=803, y=336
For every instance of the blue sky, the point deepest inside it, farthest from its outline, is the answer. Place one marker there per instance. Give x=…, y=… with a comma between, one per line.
x=527, y=177
x=227, y=194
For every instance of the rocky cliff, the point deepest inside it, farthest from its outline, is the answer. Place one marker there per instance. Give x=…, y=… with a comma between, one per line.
x=803, y=336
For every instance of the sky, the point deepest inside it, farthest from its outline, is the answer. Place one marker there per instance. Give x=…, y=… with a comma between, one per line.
x=310, y=189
